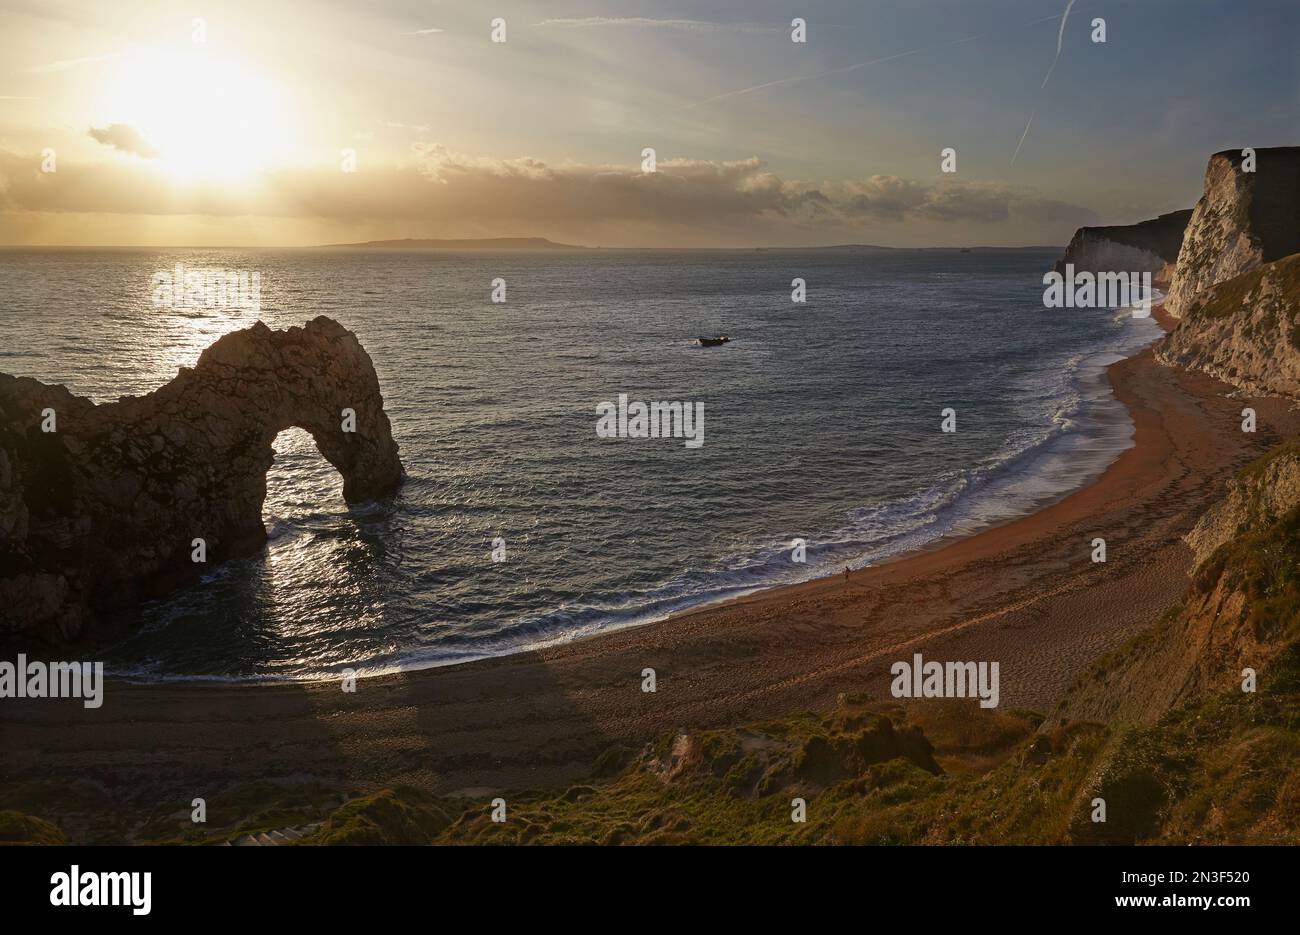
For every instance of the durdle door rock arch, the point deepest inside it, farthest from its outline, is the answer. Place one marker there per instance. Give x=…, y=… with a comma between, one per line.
x=102, y=512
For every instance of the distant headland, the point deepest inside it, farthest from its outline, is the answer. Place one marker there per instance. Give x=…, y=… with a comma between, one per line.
x=542, y=243
x=481, y=243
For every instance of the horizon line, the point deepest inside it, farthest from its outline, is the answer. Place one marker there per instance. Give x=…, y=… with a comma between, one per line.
x=551, y=246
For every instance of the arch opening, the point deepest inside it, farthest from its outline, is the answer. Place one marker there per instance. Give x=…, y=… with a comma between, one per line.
x=302, y=486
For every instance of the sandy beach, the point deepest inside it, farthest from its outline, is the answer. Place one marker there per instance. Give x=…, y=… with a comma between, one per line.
x=1025, y=594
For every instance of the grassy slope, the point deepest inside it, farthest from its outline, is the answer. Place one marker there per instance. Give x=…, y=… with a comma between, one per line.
x=1225, y=769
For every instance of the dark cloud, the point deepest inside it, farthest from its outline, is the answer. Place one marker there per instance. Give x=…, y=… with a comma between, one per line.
x=890, y=198
x=451, y=190
x=124, y=137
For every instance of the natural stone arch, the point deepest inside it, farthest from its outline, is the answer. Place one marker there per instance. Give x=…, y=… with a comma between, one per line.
x=102, y=512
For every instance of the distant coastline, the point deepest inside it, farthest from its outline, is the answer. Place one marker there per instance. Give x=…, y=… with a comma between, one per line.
x=480, y=243
x=542, y=243
x=539, y=244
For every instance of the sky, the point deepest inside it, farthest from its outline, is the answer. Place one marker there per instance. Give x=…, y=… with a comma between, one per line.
x=302, y=122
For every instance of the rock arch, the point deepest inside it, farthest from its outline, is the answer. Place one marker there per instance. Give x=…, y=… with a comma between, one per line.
x=102, y=512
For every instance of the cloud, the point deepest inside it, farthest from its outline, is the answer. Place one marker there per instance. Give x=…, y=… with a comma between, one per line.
x=645, y=22
x=891, y=198
x=686, y=200
x=68, y=63
x=124, y=137
x=881, y=197
x=682, y=191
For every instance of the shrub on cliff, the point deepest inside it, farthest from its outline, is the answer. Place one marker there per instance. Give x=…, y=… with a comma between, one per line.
x=394, y=816
x=17, y=828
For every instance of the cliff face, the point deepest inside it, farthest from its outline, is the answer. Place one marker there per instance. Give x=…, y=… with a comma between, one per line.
x=1243, y=220
x=1242, y=610
x=1263, y=492
x=1150, y=246
x=1245, y=331
x=102, y=512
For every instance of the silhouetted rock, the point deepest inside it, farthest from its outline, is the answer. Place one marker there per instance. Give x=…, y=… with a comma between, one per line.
x=103, y=512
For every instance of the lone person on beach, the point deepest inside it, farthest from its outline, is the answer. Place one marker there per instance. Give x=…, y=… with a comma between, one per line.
x=846, y=574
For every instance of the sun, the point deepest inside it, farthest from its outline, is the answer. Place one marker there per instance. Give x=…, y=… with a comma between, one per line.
x=205, y=117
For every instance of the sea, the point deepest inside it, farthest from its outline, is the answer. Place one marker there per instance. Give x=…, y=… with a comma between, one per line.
x=518, y=526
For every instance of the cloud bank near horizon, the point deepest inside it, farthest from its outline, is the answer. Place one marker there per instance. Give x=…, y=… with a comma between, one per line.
x=454, y=192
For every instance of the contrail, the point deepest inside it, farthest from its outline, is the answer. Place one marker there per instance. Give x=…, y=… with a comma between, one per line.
x=875, y=61
x=1060, y=40
x=1023, y=135
x=1060, y=37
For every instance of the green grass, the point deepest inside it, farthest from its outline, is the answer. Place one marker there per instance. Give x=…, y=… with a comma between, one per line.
x=1264, y=564
x=1225, y=769
x=1229, y=297
x=17, y=828
x=394, y=816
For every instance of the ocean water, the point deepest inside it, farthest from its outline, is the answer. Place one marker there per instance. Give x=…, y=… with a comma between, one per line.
x=822, y=422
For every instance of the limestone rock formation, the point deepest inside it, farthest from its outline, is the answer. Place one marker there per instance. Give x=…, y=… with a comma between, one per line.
x=102, y=512
x=1149, y=246
x=1242, y=610
x=1245, y=331
x=1243, y=220
x=1263, y=492
x=1237, y=289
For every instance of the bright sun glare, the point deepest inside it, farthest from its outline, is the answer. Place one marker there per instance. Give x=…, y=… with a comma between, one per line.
x=207, y=118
